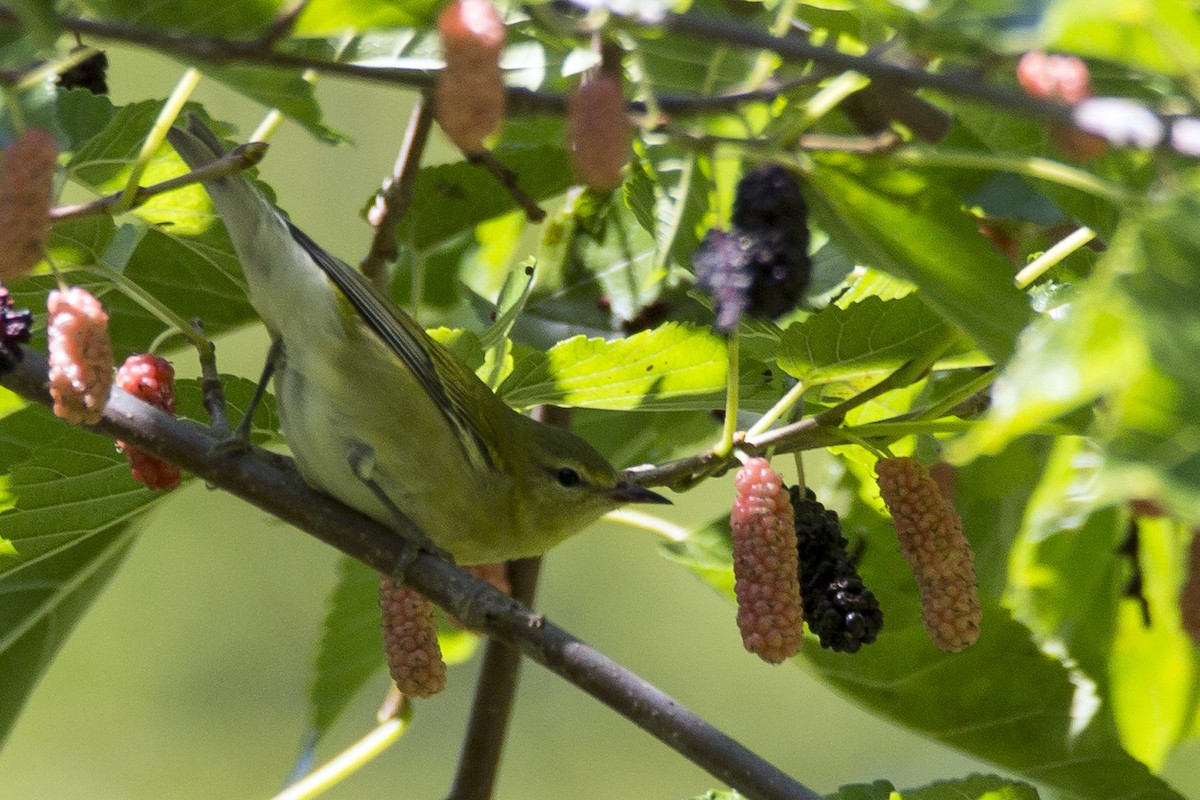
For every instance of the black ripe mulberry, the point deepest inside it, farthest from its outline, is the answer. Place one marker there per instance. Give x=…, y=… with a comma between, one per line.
x=769, y=198
x=90, y=74
x=839, y=609
x=14, y=330
x=760, y=268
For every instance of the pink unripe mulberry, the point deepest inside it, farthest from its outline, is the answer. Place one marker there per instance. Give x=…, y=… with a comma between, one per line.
x=1048, y=76
x=152, y=380
x=765, y=566
x=931, y=538
x=410, y=640
x=81, y=359
x=470, y=96
x=600, y=138
x=26, y=184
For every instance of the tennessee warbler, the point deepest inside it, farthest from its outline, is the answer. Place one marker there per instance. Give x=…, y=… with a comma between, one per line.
x=384, y=418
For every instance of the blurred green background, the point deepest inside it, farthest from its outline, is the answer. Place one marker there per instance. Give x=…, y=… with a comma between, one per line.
x=189, y=678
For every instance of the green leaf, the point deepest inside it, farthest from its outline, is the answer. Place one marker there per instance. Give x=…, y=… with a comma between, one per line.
x=869, y=338
x=1129, y=337
x=69, y=509
x=71, y=512
x=650, y=368
x=351, y=647
x=905, y=224
x=82, y=115
x=1149, y=656
x=638, y=192
x=234, y=19
x=1158, y=35
x=288, y=92
x=685, y=205
x=1064, y=582
x=452, y=198
x=330, y=17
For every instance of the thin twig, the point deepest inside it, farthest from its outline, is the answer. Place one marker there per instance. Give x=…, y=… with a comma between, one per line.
x=275, y=486
x=393, y=198
x=237, y=160
x=508, y=179
x=211, y=391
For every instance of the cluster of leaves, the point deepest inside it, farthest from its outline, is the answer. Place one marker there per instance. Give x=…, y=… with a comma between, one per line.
x=1096, y=400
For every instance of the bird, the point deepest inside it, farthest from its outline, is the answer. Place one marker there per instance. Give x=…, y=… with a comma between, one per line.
x=384, y=418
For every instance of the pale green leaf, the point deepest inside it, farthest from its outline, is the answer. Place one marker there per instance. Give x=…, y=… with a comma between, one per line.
x=1159, y=35
x=871, y=337
x=645, y=369
x=326, y=17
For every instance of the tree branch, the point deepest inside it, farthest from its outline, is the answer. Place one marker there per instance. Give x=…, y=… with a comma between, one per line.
x=274, y=485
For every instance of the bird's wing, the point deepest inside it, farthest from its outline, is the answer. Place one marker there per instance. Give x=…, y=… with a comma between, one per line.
x=445, y=380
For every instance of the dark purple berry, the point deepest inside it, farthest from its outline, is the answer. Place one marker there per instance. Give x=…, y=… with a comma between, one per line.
x=14, y=331
x=769, y=198
x=839, y=609
x=760, y=268
x=90, y=74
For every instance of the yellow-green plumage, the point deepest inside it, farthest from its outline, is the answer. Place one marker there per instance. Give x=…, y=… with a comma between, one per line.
x=357, y=375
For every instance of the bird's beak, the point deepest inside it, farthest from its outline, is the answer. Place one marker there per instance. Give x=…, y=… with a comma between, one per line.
x=629, y=492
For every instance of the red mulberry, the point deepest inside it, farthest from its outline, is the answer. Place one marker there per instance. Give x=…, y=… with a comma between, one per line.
x=410, y=640
x=932, y=541
x=840, y=610
x=152, y=380
x=81, y=359
x=770, y=613
x=470, y=89
x=26, y=185
x=600, y=138
x=761, y=267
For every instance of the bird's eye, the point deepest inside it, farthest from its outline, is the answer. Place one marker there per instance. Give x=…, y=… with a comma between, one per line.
x=567, y=477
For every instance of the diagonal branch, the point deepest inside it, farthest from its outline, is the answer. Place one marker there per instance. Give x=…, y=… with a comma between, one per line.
x=274, y=485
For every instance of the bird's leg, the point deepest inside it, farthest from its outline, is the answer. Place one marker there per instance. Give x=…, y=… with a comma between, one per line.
x=362, y=464
x=239, y=440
